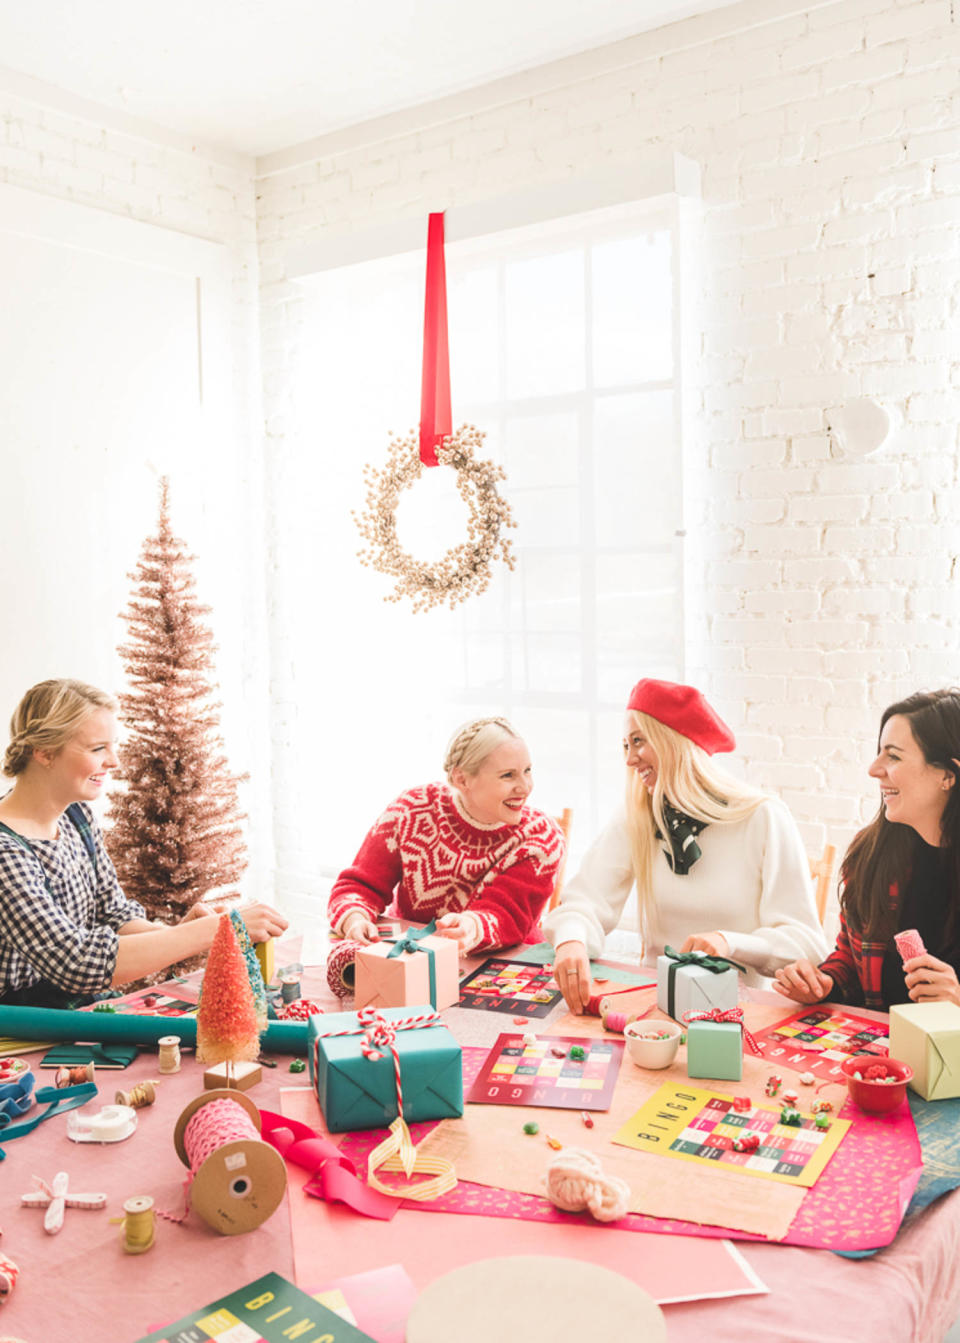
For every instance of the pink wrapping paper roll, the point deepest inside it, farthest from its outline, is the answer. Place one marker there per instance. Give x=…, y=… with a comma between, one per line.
x=909, y=944
x=340, y=968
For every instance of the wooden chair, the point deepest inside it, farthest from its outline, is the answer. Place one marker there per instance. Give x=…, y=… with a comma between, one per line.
x=821, y=870
x=564, y=821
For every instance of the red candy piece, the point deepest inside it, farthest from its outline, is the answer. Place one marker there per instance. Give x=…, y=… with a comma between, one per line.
x=875, y=1073
x=741, y=1104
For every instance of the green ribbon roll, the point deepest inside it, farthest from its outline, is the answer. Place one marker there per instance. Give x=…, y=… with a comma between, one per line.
x=411, y=942
x=49, y=1023
x=715, y=964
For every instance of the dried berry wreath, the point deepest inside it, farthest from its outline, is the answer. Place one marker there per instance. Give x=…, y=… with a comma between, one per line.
x=465, y=569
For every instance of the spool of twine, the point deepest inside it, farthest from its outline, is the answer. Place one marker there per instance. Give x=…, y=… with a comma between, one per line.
x=235, y=1179
x=576, y=1181
x=341, y=968
x=71, y=1077
x=139, y=1227
x=9, y=1273
x=168, y=1047
x=140, y=1096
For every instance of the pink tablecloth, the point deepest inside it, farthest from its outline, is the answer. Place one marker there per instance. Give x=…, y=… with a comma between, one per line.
x=80, y=1286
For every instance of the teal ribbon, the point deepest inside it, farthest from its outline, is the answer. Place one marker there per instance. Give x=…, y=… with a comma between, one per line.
x=57, y=1100
x=715, y=964
x=411, y=942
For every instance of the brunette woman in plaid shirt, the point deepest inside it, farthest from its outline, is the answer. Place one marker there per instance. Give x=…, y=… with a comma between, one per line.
x=67, y=931
x=901, y=872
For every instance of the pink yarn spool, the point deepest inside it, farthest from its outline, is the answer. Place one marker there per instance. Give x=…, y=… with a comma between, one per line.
x=615, y=1021
x=340, y=968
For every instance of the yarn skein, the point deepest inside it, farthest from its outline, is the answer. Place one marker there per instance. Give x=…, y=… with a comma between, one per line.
x=575, y=1181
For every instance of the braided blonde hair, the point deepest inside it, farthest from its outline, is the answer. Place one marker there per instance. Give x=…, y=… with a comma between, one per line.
x=47, y=717
x=470, y=745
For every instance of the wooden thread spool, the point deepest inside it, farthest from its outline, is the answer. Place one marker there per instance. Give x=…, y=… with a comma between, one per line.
x=71, y=1077
x=239, y=1184
x=138, y=1224
x=169, y=1053
x=290, y=988
x=139, y=1096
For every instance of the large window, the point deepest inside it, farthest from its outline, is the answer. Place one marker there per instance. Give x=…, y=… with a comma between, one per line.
x=564, y=349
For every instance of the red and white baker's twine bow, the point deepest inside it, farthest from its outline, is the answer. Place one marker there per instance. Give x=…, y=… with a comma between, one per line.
x=397, y=1151
x=725, y=1014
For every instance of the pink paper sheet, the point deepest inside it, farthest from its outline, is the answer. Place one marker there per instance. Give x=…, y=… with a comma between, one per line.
x=327, y=1235
x=857, y=1204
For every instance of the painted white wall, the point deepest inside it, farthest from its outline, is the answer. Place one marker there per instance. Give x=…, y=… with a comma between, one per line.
x=128, y=348
x=830, y=146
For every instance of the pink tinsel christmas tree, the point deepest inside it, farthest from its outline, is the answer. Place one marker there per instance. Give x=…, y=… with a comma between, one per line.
x=226, y=1018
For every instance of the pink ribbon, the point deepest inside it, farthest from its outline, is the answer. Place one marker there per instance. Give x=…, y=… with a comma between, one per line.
x=333, y=1176
x=724, y=1014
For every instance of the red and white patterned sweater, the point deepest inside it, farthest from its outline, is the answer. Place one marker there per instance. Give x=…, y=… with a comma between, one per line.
x=429, y=857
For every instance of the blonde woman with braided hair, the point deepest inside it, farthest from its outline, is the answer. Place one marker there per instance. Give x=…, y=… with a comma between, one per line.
x=718, y=867
x=471, y=854
x=67, y=931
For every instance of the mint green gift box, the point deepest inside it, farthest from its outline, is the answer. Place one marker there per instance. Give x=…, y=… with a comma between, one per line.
x=715, y=1049
x=356, y=1092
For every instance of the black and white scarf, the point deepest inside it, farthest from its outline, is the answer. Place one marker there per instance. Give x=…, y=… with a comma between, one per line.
x=680, y=848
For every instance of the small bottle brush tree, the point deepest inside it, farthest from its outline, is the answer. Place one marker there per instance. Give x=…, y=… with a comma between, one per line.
x=175, y=831
x=227, y=1029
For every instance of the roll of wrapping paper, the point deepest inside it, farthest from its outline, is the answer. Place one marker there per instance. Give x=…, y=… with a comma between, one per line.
x=48, y=1023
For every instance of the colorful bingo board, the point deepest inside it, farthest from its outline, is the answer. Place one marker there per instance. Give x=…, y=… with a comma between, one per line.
x=697, y=1125
x=152, y=1003
x=511, y=987
x=818, y=1039
x=543, y=1073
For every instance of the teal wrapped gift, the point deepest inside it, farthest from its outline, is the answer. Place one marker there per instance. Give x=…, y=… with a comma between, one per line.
x=355, y=1058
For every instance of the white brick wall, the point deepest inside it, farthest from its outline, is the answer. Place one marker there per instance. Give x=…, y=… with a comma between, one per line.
x=830, y=148
x=44, y=150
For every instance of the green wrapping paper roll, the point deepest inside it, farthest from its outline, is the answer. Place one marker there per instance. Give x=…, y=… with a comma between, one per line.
x=48, y=1023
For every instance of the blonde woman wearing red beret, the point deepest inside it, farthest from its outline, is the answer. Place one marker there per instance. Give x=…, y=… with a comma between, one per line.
x=718, y=866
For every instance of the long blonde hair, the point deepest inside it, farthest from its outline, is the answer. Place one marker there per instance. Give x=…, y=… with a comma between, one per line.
x=47, y=717
x=689, y=781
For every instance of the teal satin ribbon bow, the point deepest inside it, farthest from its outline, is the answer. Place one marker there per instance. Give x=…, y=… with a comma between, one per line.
x=715, y=964
x=411, y=942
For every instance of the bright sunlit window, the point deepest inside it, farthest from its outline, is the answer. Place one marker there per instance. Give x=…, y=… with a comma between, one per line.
x=563, y=349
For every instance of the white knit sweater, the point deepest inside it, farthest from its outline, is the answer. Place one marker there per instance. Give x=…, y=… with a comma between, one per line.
x=752, y=883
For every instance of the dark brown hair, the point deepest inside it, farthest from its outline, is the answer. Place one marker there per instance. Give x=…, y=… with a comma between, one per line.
x=882, y=854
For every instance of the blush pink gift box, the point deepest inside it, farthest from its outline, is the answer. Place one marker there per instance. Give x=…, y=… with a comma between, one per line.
x=402, y=980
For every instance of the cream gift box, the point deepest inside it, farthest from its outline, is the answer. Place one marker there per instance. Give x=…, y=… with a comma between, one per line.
x=692, y=981
x=927, y=1037
x=417, y=968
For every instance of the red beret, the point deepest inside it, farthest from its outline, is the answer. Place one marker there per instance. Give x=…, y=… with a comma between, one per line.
x=685, y=710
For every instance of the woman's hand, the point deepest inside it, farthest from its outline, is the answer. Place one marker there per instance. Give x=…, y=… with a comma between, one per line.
x=201, y=911
x=358, y=927
x=931, y=981
x=262, y=922
x=464, y=928
x=714, y=944
x=571, y=970
x=803, y=982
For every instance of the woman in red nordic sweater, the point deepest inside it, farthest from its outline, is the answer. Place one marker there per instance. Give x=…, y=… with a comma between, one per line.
x=471, y=854
x=901, y=872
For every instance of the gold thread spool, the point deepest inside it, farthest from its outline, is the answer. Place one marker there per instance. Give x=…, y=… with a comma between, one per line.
x=138, y=1224
x=139, y=1096
x=242, y=1182
x=169, y=1053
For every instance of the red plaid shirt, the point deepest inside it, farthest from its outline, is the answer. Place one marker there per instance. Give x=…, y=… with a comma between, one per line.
x=856, y=965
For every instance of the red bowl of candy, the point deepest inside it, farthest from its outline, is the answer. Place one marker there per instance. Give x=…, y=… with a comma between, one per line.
x=877, y=1085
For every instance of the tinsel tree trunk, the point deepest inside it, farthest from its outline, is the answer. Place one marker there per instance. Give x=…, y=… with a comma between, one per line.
x=175, y=833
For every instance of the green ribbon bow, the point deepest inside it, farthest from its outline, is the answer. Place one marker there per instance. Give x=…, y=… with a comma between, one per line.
x=715, y=964
x=411, y=942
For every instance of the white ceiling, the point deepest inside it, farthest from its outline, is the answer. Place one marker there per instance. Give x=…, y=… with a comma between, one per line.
x=254, y=76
